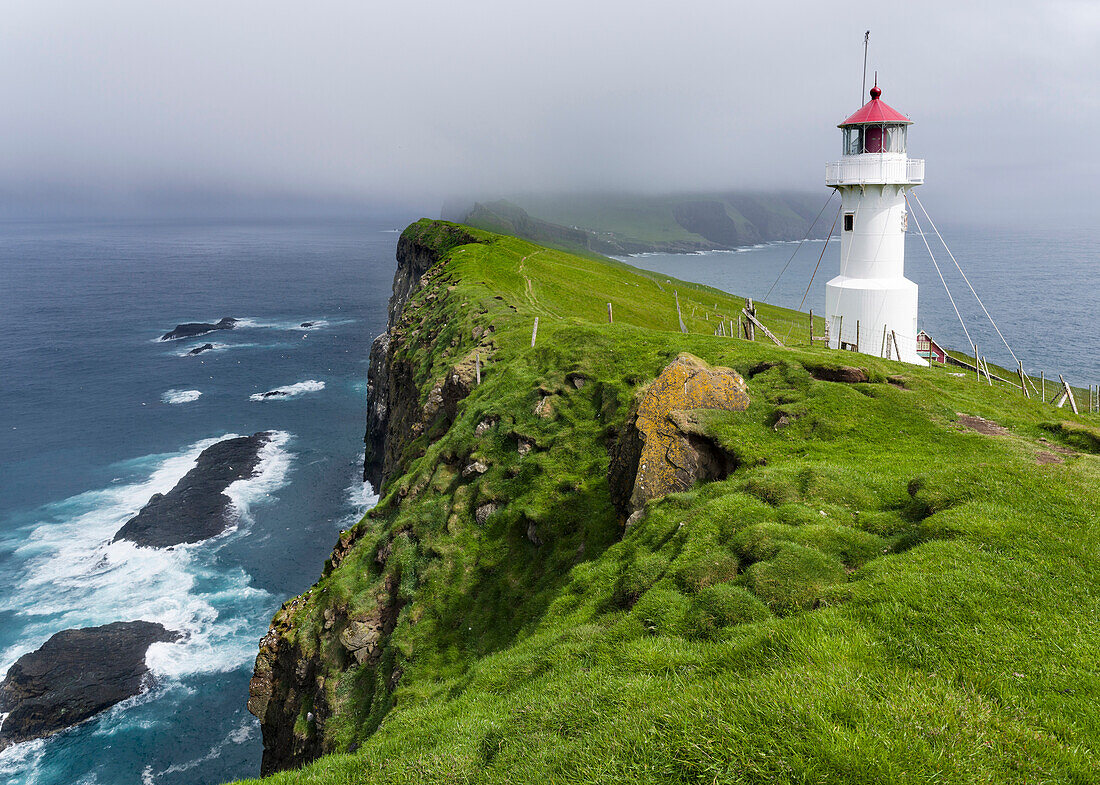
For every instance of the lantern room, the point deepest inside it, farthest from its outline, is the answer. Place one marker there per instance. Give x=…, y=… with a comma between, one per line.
x=875, y=128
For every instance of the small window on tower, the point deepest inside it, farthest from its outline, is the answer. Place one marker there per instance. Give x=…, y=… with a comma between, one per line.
x=849, y=221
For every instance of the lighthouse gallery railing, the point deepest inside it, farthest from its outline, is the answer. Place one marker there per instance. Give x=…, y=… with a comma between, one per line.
x=875, y=169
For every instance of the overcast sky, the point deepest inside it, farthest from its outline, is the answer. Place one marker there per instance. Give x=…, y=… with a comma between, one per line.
x=420, y=100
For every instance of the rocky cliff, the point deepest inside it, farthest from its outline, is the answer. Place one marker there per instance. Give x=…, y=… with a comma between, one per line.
x=391, y=395
x=298, y=662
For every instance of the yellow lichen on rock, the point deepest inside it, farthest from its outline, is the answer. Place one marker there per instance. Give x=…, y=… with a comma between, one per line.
x=655, y=454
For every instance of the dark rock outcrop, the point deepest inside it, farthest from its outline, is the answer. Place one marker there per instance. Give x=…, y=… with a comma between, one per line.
x=392, y=396
x=206, y=347
x=197, y=507
x=195, y=329
x=844, y=373
x=287, y=681
x=662, y=448
x=75, y=675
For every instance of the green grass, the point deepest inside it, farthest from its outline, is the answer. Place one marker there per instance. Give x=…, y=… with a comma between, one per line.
x=876, y=595
x=651, y=220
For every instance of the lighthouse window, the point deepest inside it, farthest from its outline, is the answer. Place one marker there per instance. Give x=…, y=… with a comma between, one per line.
x=853, y=141
x=849, y=221
x=895, y=138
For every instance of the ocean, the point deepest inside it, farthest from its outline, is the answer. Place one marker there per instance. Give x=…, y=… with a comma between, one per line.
x=97, y=414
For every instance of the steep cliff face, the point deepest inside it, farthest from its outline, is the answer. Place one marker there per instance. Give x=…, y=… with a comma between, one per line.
x=392, y=397
x=308, y=649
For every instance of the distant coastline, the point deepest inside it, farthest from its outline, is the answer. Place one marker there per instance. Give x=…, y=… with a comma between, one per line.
x=627, y=225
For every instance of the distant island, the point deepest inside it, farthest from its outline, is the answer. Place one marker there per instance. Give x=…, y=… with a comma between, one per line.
x=620, y=225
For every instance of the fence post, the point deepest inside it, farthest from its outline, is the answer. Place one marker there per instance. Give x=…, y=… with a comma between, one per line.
x=610, y=319
x=477, y=366
x=535, y=332
x=1069, y=394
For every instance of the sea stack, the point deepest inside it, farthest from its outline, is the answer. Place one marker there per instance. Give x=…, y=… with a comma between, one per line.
x=75, y=675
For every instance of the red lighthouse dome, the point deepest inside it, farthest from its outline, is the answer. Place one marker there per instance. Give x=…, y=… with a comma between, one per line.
x=875, y=128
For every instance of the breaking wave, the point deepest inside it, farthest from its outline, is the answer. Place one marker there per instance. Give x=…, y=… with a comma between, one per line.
x=70, y=574
x=290, y=391
x=180, y=396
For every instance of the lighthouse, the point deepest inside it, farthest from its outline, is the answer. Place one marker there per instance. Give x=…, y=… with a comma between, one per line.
x=871, y=306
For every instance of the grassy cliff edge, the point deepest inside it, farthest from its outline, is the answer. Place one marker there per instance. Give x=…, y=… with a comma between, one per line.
x=897, y=583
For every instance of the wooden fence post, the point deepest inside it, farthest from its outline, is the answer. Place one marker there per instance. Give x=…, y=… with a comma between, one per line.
x=610, y=318
x=477, y=366
x=1043, y=382
x=680, y=316
x=897, y=349
x=857, y=335
x=750, y=328
x=535, y=332
x=882, y=349
x=757, y=323
x=1069, y=394
x=1023, y=381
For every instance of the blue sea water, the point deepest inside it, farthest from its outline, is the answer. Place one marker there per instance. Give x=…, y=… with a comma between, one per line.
x=1042, y=290
x=96, y=415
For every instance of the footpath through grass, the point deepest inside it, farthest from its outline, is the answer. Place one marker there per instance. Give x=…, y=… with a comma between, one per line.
x=879, y=593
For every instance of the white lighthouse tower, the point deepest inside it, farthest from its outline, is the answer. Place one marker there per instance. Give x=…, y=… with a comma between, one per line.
x=871, y=306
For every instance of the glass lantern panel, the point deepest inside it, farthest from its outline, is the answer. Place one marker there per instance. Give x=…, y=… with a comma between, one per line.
x=853, y=140
x=895, y=138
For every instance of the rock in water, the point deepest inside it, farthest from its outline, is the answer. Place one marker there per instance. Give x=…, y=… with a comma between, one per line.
x=662, y=449
x=197, y=507
x=200, y=349
x=74, y=675
x=193, y=329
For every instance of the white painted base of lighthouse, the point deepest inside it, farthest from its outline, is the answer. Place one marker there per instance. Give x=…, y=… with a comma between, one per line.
x=863, y=311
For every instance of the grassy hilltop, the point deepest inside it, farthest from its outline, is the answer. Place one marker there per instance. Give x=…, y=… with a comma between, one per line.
x=886, y=589
x=617, y=224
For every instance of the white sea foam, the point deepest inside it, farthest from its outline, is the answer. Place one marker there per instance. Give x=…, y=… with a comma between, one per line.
x=72, y=575
x=359, y=495
x=270, y=475
x=289, y=391
x=290, y=324
x=21, y=758
x=180, y=396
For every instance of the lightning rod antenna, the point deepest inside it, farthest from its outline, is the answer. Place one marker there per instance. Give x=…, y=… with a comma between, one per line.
x=866, y=42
